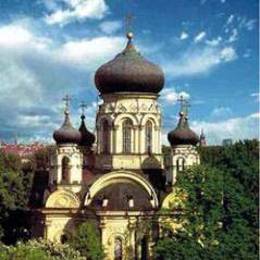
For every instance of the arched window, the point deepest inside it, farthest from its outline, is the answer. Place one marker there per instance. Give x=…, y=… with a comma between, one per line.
x=64, y=239
x=118, y=250
x=127, y=136
x=105, y=137
x=180, y=164
x=148, y=137
x=65, y=169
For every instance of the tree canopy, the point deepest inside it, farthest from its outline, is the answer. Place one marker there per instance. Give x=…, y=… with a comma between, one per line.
x=220, y=212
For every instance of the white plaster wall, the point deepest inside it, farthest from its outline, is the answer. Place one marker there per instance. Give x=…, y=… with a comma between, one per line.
x=139, y=108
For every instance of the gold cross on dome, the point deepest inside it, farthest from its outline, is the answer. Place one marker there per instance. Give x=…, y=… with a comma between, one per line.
x=67, y=100
x=83, y=106
x=184, y=104
x=129, y=23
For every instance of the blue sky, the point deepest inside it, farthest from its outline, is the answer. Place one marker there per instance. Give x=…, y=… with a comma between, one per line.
x=208, y=50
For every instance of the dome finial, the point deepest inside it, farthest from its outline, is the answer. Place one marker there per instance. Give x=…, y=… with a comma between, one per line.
x=66, y=100
x=67, y=134
x=87, y=138
x=184, y=104
x=129, y=27
x=83, y=107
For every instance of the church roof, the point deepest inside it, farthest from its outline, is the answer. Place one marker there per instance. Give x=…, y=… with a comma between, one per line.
x=118, y=196
x=129, y=72
x=67, y=133
x=87, y=138
x=182, y=134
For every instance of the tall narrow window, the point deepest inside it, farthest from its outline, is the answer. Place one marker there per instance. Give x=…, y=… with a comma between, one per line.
x=65, y=169
x=148, y=137
x=180, y=164
x=118, y=250
x=127, y=136
x=105, y=136
x=144, y=248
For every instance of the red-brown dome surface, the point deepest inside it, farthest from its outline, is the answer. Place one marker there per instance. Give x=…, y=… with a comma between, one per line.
x=129, y=72
x=67, y=134
x=182, y=134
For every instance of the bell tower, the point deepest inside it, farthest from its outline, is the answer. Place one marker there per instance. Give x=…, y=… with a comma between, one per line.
x=183, y=146
x=129, y=120
x=66, y=159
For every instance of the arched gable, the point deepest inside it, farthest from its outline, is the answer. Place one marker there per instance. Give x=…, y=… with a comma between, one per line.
x=121, y=176
x=149, y=117
x=121, y=117
x=62, y=199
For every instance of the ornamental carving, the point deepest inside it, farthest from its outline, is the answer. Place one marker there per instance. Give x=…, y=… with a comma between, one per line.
x=62, y=199
x=130, y=107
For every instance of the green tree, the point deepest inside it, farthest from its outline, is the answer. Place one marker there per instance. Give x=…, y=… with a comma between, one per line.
x=14, y=196
x=87, y=241
x=220, y=213
x=39, y=249
x=201, y=216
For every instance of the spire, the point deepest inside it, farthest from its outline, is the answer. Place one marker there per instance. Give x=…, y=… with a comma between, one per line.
x=83, y=106
x=67, y=134
x=129, y=30
x=184, y=105
x=202, y=138
x=182, y=134
x=87, y=138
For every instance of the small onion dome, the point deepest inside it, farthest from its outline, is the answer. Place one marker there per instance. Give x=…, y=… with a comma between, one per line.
x=87, y=138
x=129, y=72
x=67, y=134
x=182, y=134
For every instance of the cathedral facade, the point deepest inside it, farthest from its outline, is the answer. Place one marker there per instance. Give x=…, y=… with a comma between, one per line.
x=125, y=181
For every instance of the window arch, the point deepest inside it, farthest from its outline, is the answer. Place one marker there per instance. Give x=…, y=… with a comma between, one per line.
x=180, y=164
x=148, y=136
x=127, y=136
x=65, y=170
x=64, y=238
x=118, y=249
x=105, y=137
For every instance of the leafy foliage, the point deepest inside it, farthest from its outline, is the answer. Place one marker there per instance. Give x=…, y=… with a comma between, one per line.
x=39, y=249
x=15, y=184
x=87, y=241
x=220, y=214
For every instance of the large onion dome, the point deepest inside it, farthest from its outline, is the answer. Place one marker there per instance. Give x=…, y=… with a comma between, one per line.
x=87, y=138
x=182, y=134
x=67, y=134
x=129, y=72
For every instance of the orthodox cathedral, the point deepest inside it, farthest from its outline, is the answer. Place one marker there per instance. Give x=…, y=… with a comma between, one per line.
x=119, y=178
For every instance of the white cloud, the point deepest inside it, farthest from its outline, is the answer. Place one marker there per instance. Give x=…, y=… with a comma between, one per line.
x=88, y=52
x=247, y=53
x=77, y=10
x=110, y=27
x=256, y=96
x=227, y=54
x=221, y=112
x=234, y=36
x=248, y=24
x=200, y=61
x=184, y=36
x=36, y=72
x=171, y=96
x=214, y=42
x=18, y=35
x=235, y=128
x=199, y=37
x=230, y=19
